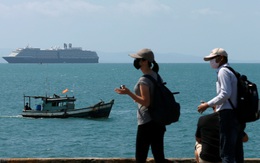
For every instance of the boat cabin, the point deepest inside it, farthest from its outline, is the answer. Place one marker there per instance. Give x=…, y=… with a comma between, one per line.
x=54, y=103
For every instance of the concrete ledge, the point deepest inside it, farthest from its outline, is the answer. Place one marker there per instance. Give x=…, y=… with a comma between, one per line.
x=100, y=160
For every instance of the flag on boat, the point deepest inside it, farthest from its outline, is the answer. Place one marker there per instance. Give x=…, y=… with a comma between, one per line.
x=65, y=90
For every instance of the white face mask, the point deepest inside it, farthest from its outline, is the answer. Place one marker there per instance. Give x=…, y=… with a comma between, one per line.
x=214, y=64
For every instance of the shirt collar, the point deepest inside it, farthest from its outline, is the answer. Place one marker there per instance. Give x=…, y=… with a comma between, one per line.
x=224, y=65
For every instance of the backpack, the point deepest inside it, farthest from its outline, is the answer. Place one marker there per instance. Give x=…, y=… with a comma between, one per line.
x=163, y=108
x=247, y=109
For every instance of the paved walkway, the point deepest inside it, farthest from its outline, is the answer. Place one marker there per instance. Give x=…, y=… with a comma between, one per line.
x=99, y=160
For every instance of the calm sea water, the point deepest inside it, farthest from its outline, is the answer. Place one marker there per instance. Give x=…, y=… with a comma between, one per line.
x=112, y=137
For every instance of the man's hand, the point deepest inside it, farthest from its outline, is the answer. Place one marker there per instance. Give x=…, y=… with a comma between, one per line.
x=202, y=107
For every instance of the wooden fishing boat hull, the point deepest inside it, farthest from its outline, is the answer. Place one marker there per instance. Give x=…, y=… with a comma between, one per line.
x=99, y=110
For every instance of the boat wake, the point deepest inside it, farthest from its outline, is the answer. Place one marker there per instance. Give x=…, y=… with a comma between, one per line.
x=11, y=116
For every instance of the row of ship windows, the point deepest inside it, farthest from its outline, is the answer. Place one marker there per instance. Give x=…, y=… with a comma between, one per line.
x=61, y=55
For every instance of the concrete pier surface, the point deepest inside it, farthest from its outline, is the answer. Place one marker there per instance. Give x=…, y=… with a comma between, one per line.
x=101, y=160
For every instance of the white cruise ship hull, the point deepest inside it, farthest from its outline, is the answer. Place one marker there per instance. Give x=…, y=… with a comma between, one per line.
x=52, y=60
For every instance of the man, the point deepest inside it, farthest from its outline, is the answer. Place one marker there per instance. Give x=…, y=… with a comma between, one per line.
x=27, y=107
x=226, y=89
x=207, y=139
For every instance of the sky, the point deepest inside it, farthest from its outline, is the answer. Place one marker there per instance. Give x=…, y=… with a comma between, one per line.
x=115, y=28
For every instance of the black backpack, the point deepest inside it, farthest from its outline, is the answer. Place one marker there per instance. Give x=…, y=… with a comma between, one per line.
x=247, y=99
x=163, y=108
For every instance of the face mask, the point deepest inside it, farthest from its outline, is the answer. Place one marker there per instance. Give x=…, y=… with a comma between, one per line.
x=214, y=64
x=137, y=64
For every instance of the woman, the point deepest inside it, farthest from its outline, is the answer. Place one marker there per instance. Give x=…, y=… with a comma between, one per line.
x=149, y=133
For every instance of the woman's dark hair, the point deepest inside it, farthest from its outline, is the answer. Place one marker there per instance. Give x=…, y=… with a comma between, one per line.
x=155, y=66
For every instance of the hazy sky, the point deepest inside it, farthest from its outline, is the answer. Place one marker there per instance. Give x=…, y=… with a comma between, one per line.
x=192, y=27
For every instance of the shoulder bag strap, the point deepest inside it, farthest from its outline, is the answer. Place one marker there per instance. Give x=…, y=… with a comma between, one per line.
x=234, y=72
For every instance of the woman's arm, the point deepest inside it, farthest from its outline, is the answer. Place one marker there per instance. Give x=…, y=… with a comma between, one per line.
x=143, y=99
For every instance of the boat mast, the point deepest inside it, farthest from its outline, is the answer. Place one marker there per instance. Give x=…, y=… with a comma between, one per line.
x=47, y=87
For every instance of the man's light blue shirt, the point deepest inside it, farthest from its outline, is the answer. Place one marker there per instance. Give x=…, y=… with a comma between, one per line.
x=226, y=87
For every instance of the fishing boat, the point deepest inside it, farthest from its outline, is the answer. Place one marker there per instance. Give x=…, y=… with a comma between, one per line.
x=63, y=107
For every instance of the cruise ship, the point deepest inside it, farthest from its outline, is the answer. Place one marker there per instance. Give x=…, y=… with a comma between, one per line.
x=68, y=54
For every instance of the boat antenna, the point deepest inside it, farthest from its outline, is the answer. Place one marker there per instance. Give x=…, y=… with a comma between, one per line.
x=73, y=87
x=47, y=87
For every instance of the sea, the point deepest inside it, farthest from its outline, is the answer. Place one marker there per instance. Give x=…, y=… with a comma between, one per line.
x=104, y=138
